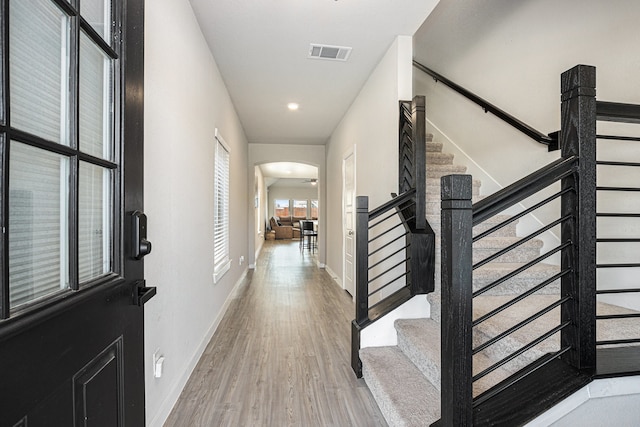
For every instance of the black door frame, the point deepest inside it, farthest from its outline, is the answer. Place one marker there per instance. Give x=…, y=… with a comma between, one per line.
x=44, y=371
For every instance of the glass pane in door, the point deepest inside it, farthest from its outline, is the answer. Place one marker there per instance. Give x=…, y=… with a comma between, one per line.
x=39, y=64
x=96, y=96
x=94, y=222
x=38, y=223
x=98, y=15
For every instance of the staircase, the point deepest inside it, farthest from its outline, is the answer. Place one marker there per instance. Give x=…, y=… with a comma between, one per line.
x=412, y=368
x=405, y=379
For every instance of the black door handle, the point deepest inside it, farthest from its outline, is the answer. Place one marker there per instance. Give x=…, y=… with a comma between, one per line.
x=141, y=246
x=142, y=293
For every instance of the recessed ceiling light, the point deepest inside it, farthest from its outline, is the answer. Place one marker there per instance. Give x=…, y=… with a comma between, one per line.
x=292, y=106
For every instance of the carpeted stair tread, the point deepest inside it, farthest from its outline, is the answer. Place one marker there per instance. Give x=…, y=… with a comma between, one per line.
x=434, y=147
x=439, y=158
x=405, y=397
x=438, y=171
x=532, y=276
x=419, y=340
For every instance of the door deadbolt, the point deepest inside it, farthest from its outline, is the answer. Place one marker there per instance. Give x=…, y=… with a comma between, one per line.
x=141, y=246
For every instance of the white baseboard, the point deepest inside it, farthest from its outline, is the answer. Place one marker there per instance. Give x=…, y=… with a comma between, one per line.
x=334, y=276
x=167, y=404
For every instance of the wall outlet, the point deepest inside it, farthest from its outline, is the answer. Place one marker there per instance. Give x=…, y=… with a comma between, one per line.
x=241, y=260
x=158, y=364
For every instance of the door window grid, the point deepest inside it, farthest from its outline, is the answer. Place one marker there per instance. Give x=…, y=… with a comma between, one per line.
x=221, y=259
x=14, y=132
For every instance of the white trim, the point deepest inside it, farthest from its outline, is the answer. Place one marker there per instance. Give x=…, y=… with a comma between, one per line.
x=598, y=389
x=334, y=276
x=174, y=393
x=351, y=151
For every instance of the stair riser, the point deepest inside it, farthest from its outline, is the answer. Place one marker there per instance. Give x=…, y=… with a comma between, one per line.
x=434, y=147
x=439, y=159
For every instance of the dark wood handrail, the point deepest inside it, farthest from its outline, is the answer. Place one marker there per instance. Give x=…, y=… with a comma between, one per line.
x=392, y=204
x=523, y=188
x=550, y=140
x=617, y=112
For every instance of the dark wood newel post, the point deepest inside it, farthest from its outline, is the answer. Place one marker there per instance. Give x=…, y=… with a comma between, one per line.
x=361, y=280
x=418, y=120
x=456, y=351
x=578, y=138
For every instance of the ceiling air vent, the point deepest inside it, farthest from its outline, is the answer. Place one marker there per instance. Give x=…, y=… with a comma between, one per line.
x=334, y=53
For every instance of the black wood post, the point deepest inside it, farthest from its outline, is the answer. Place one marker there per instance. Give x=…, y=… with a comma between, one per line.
x=361, y=280
x=578, y=138
x=456, y=351
x=418, y=120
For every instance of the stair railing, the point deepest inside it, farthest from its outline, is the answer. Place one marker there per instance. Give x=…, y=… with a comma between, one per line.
x=571, y=362
x=395, y=246
x=550, y=140
x=617, y=346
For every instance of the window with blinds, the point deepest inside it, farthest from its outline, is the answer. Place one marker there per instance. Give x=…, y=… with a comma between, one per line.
x=59, y=136
x=221, y=260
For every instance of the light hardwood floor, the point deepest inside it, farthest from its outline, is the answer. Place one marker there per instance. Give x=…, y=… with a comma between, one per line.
x=280, y=356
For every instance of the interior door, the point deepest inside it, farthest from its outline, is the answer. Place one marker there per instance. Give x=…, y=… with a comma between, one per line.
x=72, y=289
x=349, y=225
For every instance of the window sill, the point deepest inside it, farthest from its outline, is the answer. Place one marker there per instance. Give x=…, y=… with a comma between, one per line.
x=220, y=271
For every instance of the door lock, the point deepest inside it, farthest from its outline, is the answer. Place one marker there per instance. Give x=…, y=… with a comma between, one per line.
x=141, y=246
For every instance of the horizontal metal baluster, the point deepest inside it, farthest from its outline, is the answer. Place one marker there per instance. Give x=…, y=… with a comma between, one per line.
x=612, y=342
x=617, y=316
x=627, y=265
x=525, y=322
x=630, y=189
x=612, y=163
x=520, y=269
x=386, y=271
x=521, y=241
x=617, y=240
x=393, y=214
x=385, y=232
x=386, y=285
x=522, y=350
x=387, y=244
x=618, y=138
x=617, y=291
x=617, y=215
x=520, y=297
x=521, y=214
x=389, y=256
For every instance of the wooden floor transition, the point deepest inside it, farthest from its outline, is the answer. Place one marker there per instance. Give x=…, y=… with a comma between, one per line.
x=280, y=356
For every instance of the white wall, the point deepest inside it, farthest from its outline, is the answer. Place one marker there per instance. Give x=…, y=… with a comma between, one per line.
x=512, y=54
x=371, y=127
x=185, y=100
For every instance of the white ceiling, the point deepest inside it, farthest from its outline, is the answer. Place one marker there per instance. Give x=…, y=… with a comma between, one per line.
x=289, y=170
x=261, y=49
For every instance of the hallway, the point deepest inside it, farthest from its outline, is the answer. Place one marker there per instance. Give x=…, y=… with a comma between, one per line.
x=280, y=356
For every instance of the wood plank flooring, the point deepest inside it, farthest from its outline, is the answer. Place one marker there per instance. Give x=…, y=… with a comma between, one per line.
x=280, y=356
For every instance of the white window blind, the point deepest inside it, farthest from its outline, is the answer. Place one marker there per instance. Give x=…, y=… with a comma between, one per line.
x=39, y=65
x=38, y=226
x=221, y=260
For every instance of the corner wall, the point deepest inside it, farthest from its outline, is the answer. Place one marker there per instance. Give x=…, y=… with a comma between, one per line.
x=371, y=126
x=185, y=100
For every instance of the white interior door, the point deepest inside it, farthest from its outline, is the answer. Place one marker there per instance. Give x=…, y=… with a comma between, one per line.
x=348, y=221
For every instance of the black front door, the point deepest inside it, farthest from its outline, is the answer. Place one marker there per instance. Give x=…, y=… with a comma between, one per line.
x=71, y=138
